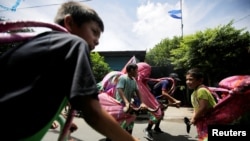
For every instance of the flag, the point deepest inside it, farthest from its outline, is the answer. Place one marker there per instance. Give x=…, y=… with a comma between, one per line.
x=175, y=14
x=10, y=6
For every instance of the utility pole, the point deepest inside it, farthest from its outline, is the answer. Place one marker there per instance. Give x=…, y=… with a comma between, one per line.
x=181, y=20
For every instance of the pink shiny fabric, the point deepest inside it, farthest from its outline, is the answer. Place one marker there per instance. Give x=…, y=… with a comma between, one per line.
x=115, y=108
x=144, y=71
x=232, y=107
x=109, y=103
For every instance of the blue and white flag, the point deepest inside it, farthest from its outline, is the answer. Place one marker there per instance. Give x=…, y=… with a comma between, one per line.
x=10, y=5
x=175, y=14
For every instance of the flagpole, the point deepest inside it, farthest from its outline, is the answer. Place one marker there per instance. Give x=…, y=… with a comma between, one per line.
x=181, y=19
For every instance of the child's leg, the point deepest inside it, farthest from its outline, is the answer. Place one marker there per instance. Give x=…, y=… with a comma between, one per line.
x=130, y=127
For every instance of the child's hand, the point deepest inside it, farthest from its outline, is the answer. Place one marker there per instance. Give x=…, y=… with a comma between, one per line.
x=143, y=106
x=193, y=121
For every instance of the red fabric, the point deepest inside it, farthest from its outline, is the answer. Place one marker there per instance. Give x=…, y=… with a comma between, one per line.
x=231, y=108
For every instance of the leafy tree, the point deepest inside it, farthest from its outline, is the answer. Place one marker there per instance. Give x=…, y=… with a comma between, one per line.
x=100, y=67
x=160, y=54
x=221, y=52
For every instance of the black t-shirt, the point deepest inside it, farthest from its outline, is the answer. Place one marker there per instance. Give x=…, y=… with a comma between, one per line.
x=37, y=75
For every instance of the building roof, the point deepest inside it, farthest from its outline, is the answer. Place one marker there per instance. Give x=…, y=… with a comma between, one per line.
x=117, y=59
x=140, y=55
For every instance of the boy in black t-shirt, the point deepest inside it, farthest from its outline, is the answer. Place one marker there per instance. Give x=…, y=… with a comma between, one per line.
x=40, y=75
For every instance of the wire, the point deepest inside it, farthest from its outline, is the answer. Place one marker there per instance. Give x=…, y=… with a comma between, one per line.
x=242, y=18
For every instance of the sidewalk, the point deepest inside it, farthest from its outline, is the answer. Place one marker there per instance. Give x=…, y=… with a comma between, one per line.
x=178, y=113
x=173, y=113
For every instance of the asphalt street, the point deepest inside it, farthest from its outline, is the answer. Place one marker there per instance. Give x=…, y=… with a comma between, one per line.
x=172, y=125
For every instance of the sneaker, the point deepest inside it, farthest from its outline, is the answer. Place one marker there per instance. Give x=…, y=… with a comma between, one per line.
x=177, y=104
x=148, y=134
x=158, y=130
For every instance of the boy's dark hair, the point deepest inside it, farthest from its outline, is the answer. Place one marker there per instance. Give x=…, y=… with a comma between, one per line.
x=131, y=66
x=195, y=73
x=79, y=12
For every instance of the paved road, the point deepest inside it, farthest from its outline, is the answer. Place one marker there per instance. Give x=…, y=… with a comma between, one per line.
x=172, y=125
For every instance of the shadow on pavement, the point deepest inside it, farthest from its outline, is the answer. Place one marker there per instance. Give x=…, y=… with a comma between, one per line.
x=166, y=136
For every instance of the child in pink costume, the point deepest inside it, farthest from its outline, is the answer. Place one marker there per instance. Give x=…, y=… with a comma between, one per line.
x=148, y=98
